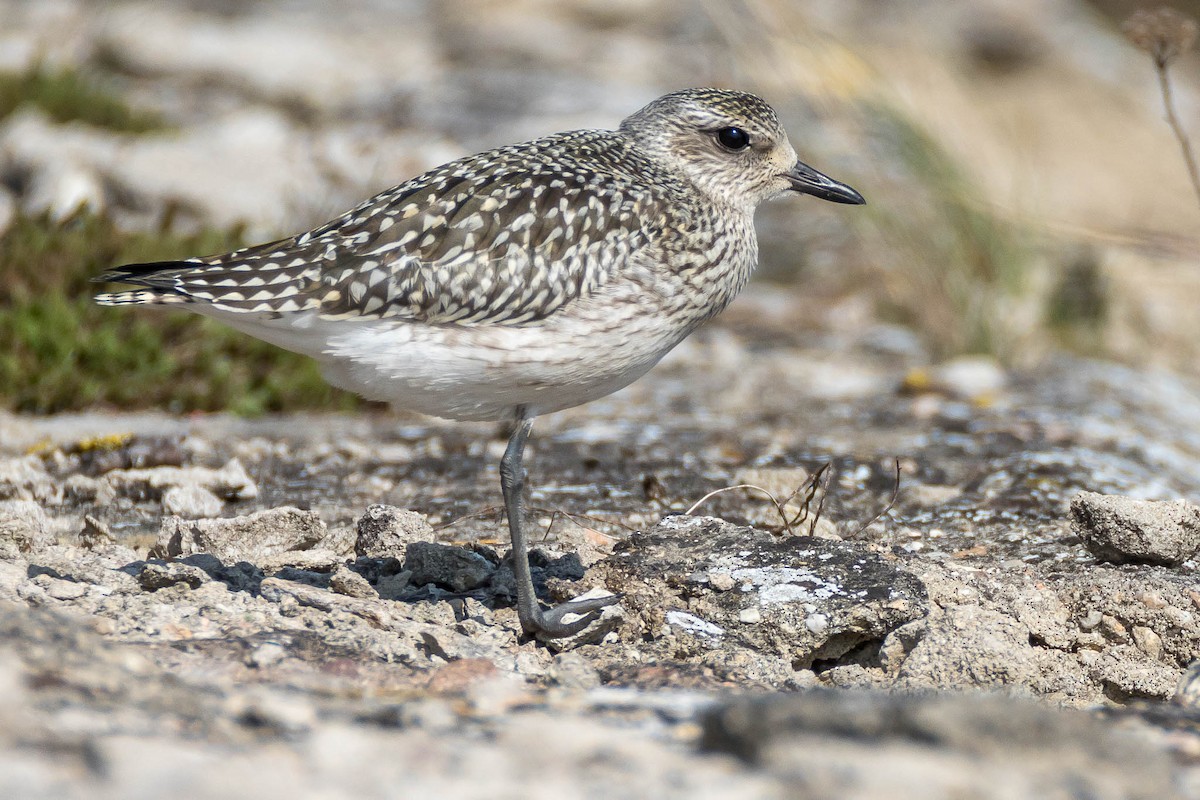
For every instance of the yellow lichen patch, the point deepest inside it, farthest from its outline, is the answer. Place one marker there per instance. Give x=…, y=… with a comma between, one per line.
x=985, y=400
x=917, y=380
x=42, y=447
x=109, y=441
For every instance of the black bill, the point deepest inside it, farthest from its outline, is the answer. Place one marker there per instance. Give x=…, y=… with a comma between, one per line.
x=806, y=180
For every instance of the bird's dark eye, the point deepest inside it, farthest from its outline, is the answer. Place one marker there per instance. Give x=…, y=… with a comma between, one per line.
x=733, y=138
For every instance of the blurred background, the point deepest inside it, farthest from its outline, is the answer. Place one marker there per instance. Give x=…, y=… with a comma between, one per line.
x=1026, y=194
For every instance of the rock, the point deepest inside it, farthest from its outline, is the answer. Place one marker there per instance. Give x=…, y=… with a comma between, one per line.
x=573, y=671
x=318, y=559
x=260, y=53
x=340, y=540
x=62, y=188
x=454, y=568
x=974, y=378
x=24, y=528
x=266, y=654
x=387, y=531
x=281, y=713
x=86, y=489
x=191, y=502
x=911, y=747
x=826, y=597
x=1123, y=530
x=155, y=575
x=59, y=589
x=230, y=482
x=25, y=479
x=391, y=587
x=250, y=538
x=968, y=647
x=1187, y=691
x=1126, y=672
x=348, y=582
x=95, y=534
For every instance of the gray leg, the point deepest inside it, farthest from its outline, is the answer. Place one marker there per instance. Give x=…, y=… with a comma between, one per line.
x=546, y=624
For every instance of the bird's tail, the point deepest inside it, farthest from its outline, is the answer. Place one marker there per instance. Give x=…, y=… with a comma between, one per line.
x=160, y=282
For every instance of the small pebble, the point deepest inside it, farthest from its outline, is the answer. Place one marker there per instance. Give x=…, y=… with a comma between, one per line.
x=1148, y=641
x=721, y=581
x=750, y=616
x=191, y=502
x=266, y=654
x=572, y=671
x=348, y=582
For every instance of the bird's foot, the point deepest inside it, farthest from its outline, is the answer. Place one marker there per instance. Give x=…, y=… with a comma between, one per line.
x=550, y=624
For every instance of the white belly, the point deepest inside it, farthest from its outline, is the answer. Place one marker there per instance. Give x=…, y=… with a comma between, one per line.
x=480, y=372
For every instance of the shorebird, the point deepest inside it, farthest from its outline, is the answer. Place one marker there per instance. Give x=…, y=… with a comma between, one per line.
x=520, y=281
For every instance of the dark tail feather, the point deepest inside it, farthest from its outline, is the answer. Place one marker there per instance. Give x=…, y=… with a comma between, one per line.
x=160, y=279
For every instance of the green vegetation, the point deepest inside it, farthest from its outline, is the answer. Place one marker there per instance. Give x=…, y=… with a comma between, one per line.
x=59, y=351
x=67, y=95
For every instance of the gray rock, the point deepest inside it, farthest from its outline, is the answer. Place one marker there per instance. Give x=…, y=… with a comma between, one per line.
x=814, y=598
x=282, y=713
x=572, y=671
x=965, y=647
x=230, y=482
x=250, y=538
x=266, y=654
x=1126, y=672
x=391, y=587
x=86, y=489
x=348, y=582
x=948, y=745
x=25, y=479
x=387, y=531
x=1123, y=530
x=95, y=534
x=155, y=575
x=454, y=568
x=24, y=528
x=1187, y=691
x=191, y=502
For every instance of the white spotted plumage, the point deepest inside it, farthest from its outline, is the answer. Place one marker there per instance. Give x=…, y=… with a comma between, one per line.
x=526, y=279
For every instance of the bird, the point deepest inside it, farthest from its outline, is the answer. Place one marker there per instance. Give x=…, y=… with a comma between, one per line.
x=517, y=282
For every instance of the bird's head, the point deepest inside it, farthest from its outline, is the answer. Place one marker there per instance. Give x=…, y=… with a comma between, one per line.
x=729, y=144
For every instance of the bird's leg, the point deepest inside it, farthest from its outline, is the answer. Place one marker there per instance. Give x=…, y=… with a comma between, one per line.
x=534, y=621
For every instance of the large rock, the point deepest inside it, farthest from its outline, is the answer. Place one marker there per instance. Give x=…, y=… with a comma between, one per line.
x=386, y=531
x=711, y=585
x=230, y=482
x=250, y=538
x=1124, y=530
x=25, y=479
x=454, y=568
x=24, y=528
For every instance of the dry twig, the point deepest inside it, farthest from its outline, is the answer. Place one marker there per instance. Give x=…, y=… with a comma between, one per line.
x=1164, y=34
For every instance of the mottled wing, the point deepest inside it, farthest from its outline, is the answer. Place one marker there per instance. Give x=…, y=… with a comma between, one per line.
x=508, y=236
